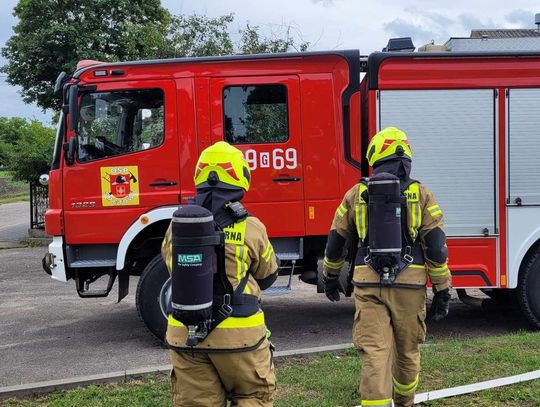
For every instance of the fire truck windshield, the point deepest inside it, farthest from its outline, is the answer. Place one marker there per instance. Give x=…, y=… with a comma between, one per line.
x=120, y=122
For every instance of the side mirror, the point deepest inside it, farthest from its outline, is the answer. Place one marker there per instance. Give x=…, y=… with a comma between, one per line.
x=44, y=179
x=60, y=81
x=73, y=108
x=70, y=149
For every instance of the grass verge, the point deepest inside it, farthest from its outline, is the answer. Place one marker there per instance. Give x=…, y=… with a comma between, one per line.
x=12, y=191
x=331, y=380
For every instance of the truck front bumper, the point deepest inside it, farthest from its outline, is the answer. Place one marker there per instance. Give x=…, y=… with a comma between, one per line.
x=53, y=262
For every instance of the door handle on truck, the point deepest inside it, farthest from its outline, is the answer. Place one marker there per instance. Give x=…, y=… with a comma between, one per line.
x=286, y=179
x=162, y=183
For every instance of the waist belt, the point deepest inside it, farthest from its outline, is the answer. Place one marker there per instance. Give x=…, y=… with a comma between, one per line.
x=417, y=255
x=243, y=305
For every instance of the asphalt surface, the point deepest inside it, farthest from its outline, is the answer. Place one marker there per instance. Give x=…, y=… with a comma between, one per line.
x=47, y=332
x=15, y=223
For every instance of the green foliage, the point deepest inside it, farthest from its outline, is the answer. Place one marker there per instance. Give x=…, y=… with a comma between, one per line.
x=197, y=35
x=5, y=150
x=11, y=131
x=253, y=42
x=31, y=155
x=53, y=35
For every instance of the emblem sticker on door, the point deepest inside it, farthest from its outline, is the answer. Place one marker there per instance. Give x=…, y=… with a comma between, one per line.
x=120, y=186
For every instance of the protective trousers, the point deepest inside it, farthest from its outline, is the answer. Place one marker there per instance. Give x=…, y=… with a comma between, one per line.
x=205, y=379
x=388, y=329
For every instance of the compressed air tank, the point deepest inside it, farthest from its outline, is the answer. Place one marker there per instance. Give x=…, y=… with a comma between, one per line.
x=384, y=215
x=193, y=257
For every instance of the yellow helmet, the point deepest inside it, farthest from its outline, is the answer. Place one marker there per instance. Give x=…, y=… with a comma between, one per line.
x=222, y=165
x=387, y=144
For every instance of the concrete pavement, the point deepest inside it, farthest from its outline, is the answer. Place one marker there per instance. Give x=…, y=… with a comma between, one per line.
x=15, y=223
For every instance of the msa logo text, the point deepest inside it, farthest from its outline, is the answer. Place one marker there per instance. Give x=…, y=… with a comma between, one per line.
x=190, y=259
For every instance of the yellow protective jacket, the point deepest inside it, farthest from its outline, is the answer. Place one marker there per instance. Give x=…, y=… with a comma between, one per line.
x=247, y=250
x=426, y=229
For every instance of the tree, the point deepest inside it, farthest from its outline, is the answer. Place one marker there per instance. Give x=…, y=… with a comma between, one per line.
x=253, y=42
x=53, y=35
x=31, y=155
x=11, y=131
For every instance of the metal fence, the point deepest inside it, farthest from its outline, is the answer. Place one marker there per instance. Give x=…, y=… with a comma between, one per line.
x=39, y=202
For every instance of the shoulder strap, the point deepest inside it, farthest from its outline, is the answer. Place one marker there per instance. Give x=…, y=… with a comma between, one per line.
x=405, y=185
x=230, y=214
x=411, y=195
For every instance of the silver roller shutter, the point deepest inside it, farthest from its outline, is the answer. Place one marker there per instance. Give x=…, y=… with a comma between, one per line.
x=524, y=145
x=452, y=135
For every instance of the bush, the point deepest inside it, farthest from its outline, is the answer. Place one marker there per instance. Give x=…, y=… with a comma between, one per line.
x=31, y=156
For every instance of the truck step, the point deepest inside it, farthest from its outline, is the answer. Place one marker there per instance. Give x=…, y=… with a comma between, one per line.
x=288, y=255
x=93, y=263
x=277, y=290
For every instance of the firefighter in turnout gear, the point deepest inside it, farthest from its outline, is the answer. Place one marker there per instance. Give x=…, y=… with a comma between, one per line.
x=233, y=361
x=389, y=282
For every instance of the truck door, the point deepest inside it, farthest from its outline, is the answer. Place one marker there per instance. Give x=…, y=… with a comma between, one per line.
x=127, y=159
x=261, y=116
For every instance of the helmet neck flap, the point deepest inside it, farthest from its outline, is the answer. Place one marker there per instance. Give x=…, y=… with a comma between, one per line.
x=400, y=167
x=215, y=198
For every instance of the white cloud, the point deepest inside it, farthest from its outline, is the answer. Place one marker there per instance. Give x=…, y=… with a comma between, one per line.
x=521, y=18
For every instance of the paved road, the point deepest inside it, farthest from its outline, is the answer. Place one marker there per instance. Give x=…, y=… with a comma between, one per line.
x=47, y=332
x=15, y=222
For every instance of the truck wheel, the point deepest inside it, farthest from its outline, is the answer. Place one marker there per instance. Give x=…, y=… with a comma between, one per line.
x=528, y=289
x=153, y=294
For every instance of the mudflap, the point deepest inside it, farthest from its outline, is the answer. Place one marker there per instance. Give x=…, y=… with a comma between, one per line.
x=123, y=285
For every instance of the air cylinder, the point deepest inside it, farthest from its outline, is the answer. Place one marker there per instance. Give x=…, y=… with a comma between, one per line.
x=384, y=215
x=194, y=239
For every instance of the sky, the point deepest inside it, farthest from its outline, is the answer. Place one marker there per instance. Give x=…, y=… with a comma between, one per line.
x=325, y=24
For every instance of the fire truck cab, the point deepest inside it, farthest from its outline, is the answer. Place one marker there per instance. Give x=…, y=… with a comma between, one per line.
x=130, y=134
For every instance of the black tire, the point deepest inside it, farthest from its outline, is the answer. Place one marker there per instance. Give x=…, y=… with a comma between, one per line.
x=528, y=289
x=147, y=299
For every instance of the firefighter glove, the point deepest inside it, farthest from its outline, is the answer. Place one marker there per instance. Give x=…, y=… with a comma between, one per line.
x=440, y=305
x=332, y=287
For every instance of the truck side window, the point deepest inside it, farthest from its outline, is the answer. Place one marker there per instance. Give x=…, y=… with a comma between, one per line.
x=255, y=114
x=120, y=122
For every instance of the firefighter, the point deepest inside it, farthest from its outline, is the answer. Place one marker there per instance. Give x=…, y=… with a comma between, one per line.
x=389, y=290
x=234, y=362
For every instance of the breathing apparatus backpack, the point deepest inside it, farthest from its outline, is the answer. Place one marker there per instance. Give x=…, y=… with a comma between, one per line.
x=387, y=206
x=202, y=296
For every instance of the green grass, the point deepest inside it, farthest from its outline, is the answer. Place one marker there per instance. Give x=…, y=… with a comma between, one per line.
x=331, y=380
x=12, y=191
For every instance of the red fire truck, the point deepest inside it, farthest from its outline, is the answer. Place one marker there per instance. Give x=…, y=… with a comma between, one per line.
x=130, y=134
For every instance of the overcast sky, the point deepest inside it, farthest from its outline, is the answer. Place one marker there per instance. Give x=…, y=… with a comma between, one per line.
x=326, y=25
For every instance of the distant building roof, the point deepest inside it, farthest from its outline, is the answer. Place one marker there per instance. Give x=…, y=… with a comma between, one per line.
x=493, y=44
x=505, y=33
